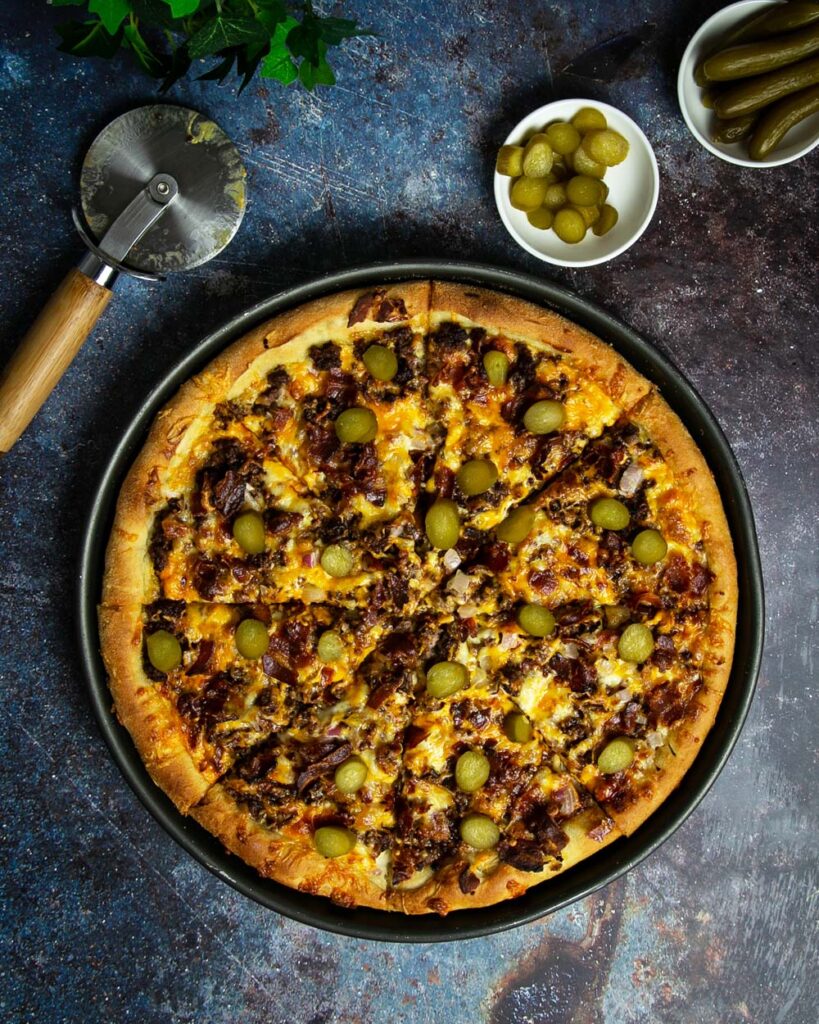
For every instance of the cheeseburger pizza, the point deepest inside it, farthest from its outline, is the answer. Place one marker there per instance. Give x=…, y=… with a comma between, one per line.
x=416, y=597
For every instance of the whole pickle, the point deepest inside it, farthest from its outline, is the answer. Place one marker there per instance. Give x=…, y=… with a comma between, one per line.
x=746, y=97
x=759, y=58
x=777, y=120
x=782, y=18
x=734, y=130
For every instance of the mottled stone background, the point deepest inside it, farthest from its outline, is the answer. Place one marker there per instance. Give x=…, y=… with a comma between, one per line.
x=105, y=918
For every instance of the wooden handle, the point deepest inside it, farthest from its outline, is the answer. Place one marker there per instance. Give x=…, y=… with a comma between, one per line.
x=49, y=346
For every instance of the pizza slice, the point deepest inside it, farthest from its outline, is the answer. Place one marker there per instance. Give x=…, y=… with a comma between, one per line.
x=629, y=554
x=521, y=391
x=191, y=701
x=341, y=404
x=229, y=500
x=481, y=813
x=315, y=807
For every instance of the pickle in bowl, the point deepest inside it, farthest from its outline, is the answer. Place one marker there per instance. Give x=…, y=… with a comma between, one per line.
x=557, y=175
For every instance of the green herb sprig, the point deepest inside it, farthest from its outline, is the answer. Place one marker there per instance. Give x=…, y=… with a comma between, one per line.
x=283, y=41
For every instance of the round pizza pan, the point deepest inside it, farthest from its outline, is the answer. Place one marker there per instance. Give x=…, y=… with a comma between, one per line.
x=589, y=875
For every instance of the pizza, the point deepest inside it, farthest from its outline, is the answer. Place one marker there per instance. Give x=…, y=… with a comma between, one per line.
x=418, y=596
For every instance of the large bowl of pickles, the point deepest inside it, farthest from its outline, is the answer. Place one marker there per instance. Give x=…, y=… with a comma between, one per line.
x=598, y=175
x=748, y=83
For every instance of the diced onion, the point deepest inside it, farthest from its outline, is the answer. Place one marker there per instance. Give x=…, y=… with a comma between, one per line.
x=509, y=641
x=311, y=593
x=570, y=650
x=466, y=611
x=624, y=694
x=451, y=559
x=654, y=739
x=567, y=801
x=459, y=584
x=311, y=559
x=631, y=479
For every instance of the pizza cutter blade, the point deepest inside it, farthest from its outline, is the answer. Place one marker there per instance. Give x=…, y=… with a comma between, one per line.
x=162, y=189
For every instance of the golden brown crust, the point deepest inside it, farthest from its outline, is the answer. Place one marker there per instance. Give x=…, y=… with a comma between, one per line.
x=293, y=862
x=442, y=893
x=672, y=761
x=692, y=475
x=149, y=717
x=129, y=583
x=514, y=316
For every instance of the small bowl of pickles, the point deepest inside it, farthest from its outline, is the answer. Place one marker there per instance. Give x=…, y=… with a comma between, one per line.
x=748, y=83
x=576, y=183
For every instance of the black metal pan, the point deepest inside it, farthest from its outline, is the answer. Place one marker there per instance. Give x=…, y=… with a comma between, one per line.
x=587, y=876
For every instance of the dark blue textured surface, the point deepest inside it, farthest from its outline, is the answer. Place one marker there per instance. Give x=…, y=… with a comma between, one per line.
x=104, y=917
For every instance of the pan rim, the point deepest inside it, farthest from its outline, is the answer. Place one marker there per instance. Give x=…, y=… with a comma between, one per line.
x=586, y=877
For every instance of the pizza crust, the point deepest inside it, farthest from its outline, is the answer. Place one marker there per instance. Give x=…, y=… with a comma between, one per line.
x=442, y=893
x=672, y=761
x=524, y=320
x=149, y=717
x=291, y=862
x=692, y=474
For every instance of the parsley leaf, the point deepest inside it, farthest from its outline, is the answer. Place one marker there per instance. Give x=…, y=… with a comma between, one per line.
x=278, y=63
x=88, y=39
x=221, y=33
x=182, y=8
x=285, y=40
x=145, y=57
x=110, y=12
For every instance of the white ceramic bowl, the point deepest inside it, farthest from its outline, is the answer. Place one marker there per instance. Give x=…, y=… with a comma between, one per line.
x=800, y=140
x=634, y=186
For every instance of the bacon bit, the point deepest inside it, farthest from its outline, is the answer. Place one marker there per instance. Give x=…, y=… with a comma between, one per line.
x=444, y=481
x=524, y=854
x=383, y=692
x=206, y=578
x=271, y=666
x=276, y=521
x=468, y=882
x=580, y=677
x=413, y=735
x=326, y=356
x=495, y=556
x=229, y=494
x=566, y=800
x=700, y=578
x=323, y=766
x=543, y=580
x=676, y=575
x=203, y=656
x=376, y=306
x=262, y=613
x=663, y=656
x=276, y=419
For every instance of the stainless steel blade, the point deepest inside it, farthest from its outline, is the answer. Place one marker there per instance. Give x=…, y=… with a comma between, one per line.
x=196, y=154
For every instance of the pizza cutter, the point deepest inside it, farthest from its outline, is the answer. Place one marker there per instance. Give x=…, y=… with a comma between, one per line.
x=162, y=189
